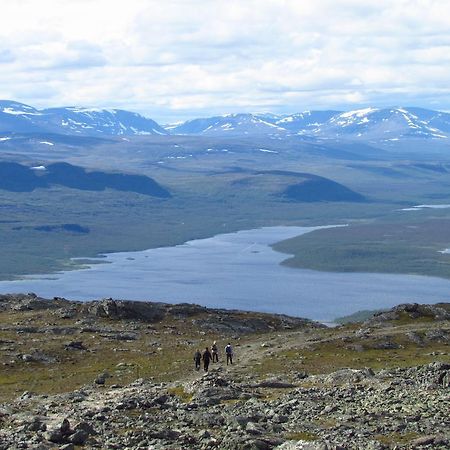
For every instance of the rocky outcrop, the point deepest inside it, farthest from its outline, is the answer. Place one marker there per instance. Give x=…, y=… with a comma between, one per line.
x=206, y=319
x=120, y=310
x=411, y=311
x=26, y=302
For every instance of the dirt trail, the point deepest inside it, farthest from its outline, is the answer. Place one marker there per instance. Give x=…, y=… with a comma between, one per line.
x=250, y=354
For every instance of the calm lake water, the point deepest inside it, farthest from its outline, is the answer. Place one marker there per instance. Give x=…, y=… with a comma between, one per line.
x=236, y=270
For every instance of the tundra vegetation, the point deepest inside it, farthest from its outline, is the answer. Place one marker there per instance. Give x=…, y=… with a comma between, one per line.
x=123, y=373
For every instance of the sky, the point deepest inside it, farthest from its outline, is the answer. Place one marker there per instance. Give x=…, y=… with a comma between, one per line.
x=178, y=59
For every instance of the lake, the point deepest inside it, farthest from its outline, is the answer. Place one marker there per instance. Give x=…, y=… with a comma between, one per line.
x=236, y=271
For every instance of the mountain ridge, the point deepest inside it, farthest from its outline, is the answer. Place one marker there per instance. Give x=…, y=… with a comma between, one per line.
x=18, y=117
x=375, y=124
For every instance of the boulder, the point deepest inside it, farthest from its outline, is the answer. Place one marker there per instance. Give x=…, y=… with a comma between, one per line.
x=79, y=437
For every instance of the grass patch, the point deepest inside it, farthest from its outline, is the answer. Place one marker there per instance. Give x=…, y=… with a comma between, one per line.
x=301, y=436
x=163, y=354
x=331, y=356
x=179, y=392
x=397, y=438
x=405, y=319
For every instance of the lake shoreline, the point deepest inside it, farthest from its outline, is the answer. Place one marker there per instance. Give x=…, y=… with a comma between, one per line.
x=233, y=271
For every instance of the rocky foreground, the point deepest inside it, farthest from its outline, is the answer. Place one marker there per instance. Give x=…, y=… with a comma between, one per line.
x=288, y=388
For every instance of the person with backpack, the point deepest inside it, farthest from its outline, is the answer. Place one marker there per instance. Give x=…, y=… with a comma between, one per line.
x=206, y=359
x=229, y=353
x=215, y=352
x=197, y=359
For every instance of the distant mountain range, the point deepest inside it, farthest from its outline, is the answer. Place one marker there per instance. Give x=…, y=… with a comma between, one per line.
x=389, y=124
x=368, y=123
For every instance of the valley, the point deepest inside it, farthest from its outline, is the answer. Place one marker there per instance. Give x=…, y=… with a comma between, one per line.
x=93, y=192
x=266, y=182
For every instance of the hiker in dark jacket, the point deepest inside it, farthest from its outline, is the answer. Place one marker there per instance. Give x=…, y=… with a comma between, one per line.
x=215, y=352
x=206, y=359
x=229, y=353
x=197, y=359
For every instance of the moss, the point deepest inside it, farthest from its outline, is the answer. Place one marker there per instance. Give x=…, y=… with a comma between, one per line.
x=394, y=439
x=406, y=319
x=233, y=401
x=301, y=436
x=179, y=392
x=326, y=423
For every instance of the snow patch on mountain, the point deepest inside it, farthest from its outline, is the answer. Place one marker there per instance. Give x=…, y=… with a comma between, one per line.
x=358, y=112
x=265, y=150
x=20, y=113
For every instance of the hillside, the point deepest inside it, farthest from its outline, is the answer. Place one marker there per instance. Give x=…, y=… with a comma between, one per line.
x=15, y=177
x=115, y=374
x=319, y=189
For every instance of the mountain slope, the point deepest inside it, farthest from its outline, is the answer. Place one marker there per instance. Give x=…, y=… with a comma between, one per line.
x=19, y=118
x=230, y=125
x=387, y=124
x=305, y=122
x=368, y=123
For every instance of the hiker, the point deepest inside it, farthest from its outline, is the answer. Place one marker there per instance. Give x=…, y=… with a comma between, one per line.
x=215, y=352
x=197, y=359
x=206, y=358
x=229, y=353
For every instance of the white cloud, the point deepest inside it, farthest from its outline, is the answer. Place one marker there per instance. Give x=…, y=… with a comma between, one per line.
x=181, y=58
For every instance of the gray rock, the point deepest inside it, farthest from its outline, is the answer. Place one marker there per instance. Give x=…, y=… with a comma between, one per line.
x=276, y=384
x=240, y=421
x=116, y=310
x=86, y=427
x=65, y=427
x=55, y=436
x=302, y=445
x=415, y=338
x=101, y=378
x=36, y=424
x=42, y=446
x=26, y=395
x=437, y=335
x=204, y=434
x=254, y=428
x=75, y=345
x=258, y=444
x=348, y=376
x=79, y=437
x=422, y=441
